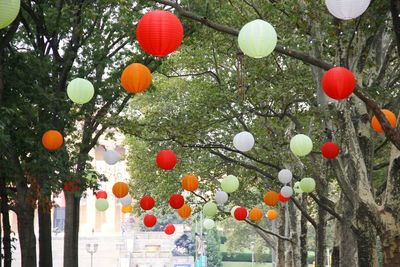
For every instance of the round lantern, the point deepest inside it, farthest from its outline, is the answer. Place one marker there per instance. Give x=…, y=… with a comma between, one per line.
x=101, y=204
x=185, y=211
x=147, y=203
x=257, y=39
x=120, y=189
x=9, y=10
x=301, y=145
x=101, y=194
x=230, y=184
x=149, y=220
x=136, y=78
x=210, y=209
x=338, y=83
x=52, y=139
x=282, y=198
x=111, y=157
x=240, y=214
x=166, y=159
x=330, y=150
x=390, y=117
x=243, y=141
x=255, y=214
x=127, y=209
x=80, y=90
x=233, y=210
x=272, y=214
x=307, y=185
x=285, y=176
x=208, y=224
x=126, y=200
x=159, y=33
x=347, y=9
x=176, y=201
x=221, y=197
x=190, y=183
x=169, y=229
x=71, y=186
x=271, y=198
x=286, y=192
x=296, y=188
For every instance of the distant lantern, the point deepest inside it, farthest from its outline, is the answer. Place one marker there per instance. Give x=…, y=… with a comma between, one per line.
x=136, y=78
x=286, y=191
x=240, y=214
x=185, y=211
x=390, y=117
x=330, y=150
x=210, y=209
x=338, y=83
x=243, y=141
x=52, y=140
x=272, y=214
x=230, y=184
x=111, y=157
x=127, y=209
x=176, y=201
x=126, y=200
x=159, y=33
x=208, y=224
x=9, y=10
x=169, y=229
x=80, y=90
x=307, y=185
x=285, y=176
x=301, y=145
x=190, y=183
x=221, y=197
x=166, y=159
x=149, y=220
x=296, y=188
x=255, y=214
x=101, y=194
x=257, y=39
x=347, y=9
x=101, y=204
x=120, y=189
x=271, y=198
x=282, y=198
x=147, y=203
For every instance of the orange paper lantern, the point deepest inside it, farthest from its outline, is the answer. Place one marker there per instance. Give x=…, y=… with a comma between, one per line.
x=185, y=211
x=120, y=189
x=390, y=117
x=190, y=183
x=255, y=214
x=127, y=209
x=272, y=214
x=52, y=140
x=271, y=198
x=136, y=78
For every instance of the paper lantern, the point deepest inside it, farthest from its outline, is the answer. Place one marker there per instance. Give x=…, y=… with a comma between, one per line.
x=296, y=188
x=80, y=90
x=330, y=150
x=52, y=139
x=230, y=184
x=221, y=197
x=101, y=194
x=285, y=176
x=166, y=159
x=101, y=204
x=390, y=117
x=120, y=189
x=271, y=198
x=126, y=200
x=233, y=210
x=169, y=229
x=111, y=157
x=301, y=145
x=147, y=203
x=282, y=198
x=286, y=191
x=338, y=83
x=159, y=33
x=136, y=78
x=347, y=9
x=190, y=183
x=208, y=224
x=257, y=39
x=255, y=214
x=210, y=209
x=307, y=185
x=9, y=10
x=149, y=220
x=272, y=214
x=185, y=211
x=71, y=186
x=176, y=201
x=243, y=141
x=127, y=209
x=240, y=214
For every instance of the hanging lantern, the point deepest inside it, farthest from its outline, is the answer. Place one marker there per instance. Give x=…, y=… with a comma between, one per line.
x=390, y=117
x=127, y=209
x=347, y=9
x=126, y=200
x=243, y=141
x=210, y=209
x=230, y=184
x=255, y=214
x=307, y=185
x=120, y=189
x=301, y=145
x=9, y=10
x=52, y=139
x=159, y=33
x=176, y=201
x=286, y=191
x=285, y=176
x=147, y=203
x=272, y=214
x=240, y=214
x=149, y=220
x=271, y=198
x=233, y=210
x=136, y=78
x=330, y=150
x=71, y=186
x=338, y=83
x=185, y=211
x=80, y=91
x=221, y=197
x=101, y=204
x=169, y=229
x=208, y=224
x=190, y=183
x=101, y=194
x=282, y=198
x=257, y=39
x=111, y=157
x=166, y=159
x=296, y=188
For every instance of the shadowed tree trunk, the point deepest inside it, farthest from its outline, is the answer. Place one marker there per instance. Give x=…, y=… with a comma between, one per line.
x=26, y=234
x=7, y=253
x=45, y=248
x=71, y=237
x=303, y=241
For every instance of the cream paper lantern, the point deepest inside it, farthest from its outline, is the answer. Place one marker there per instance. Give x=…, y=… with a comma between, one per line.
x=296, y=188
x=347, y=9
x=307, y=185
x=243, y=141
x=221, y=197
x=208, y=224
x=285, y=176
x=301, y=145
x=286, y=191
x=126, y=200
x=101, y=204
x=230, y=184
x=111, y=157
x=80, y=90
x=210, y=209
x=9, y=10
x=257, y=39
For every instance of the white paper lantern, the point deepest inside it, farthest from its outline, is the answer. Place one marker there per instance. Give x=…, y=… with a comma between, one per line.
x=233, y=210
x=126, y=200
x=301, y=145
x=208, y=224
x=243, y=141
x=111, y=157
x=9, y=10
x=347, y=9
x=285, y=176
x=287, y=191
x=221, y=197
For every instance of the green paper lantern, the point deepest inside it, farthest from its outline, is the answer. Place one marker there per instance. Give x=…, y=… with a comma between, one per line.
x=230, y=184
x=101, y=204
x=257, y=39
x=210, y=209
x=301, y=145
x=296, y=188
x=9, y=10
x=80, y=90
x=208, y=224
x=307, y=185
x=233, y=210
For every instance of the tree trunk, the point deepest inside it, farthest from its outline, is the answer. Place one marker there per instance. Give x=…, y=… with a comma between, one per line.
x=45, y=248
x=7, y=253
x=348, y=239
x=303, y=241
x=280, y=252
x=391, y=249
x=26, y=233
x=366, y=239
x=295, y=229
x=71, y=233
x=320, y=238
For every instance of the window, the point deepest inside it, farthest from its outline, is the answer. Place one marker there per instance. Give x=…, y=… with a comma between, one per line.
x=59, y=219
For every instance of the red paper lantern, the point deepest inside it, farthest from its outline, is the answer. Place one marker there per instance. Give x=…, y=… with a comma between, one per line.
x=240, y=214
x=149, y=220
x=169, y=229
x=282, y=198
x=176, y=201
x=338, y=83
x=101, y=194
x=330, y=150
x=159, y=33
x=166, y=159
x=71, y=186
x=147, y=203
